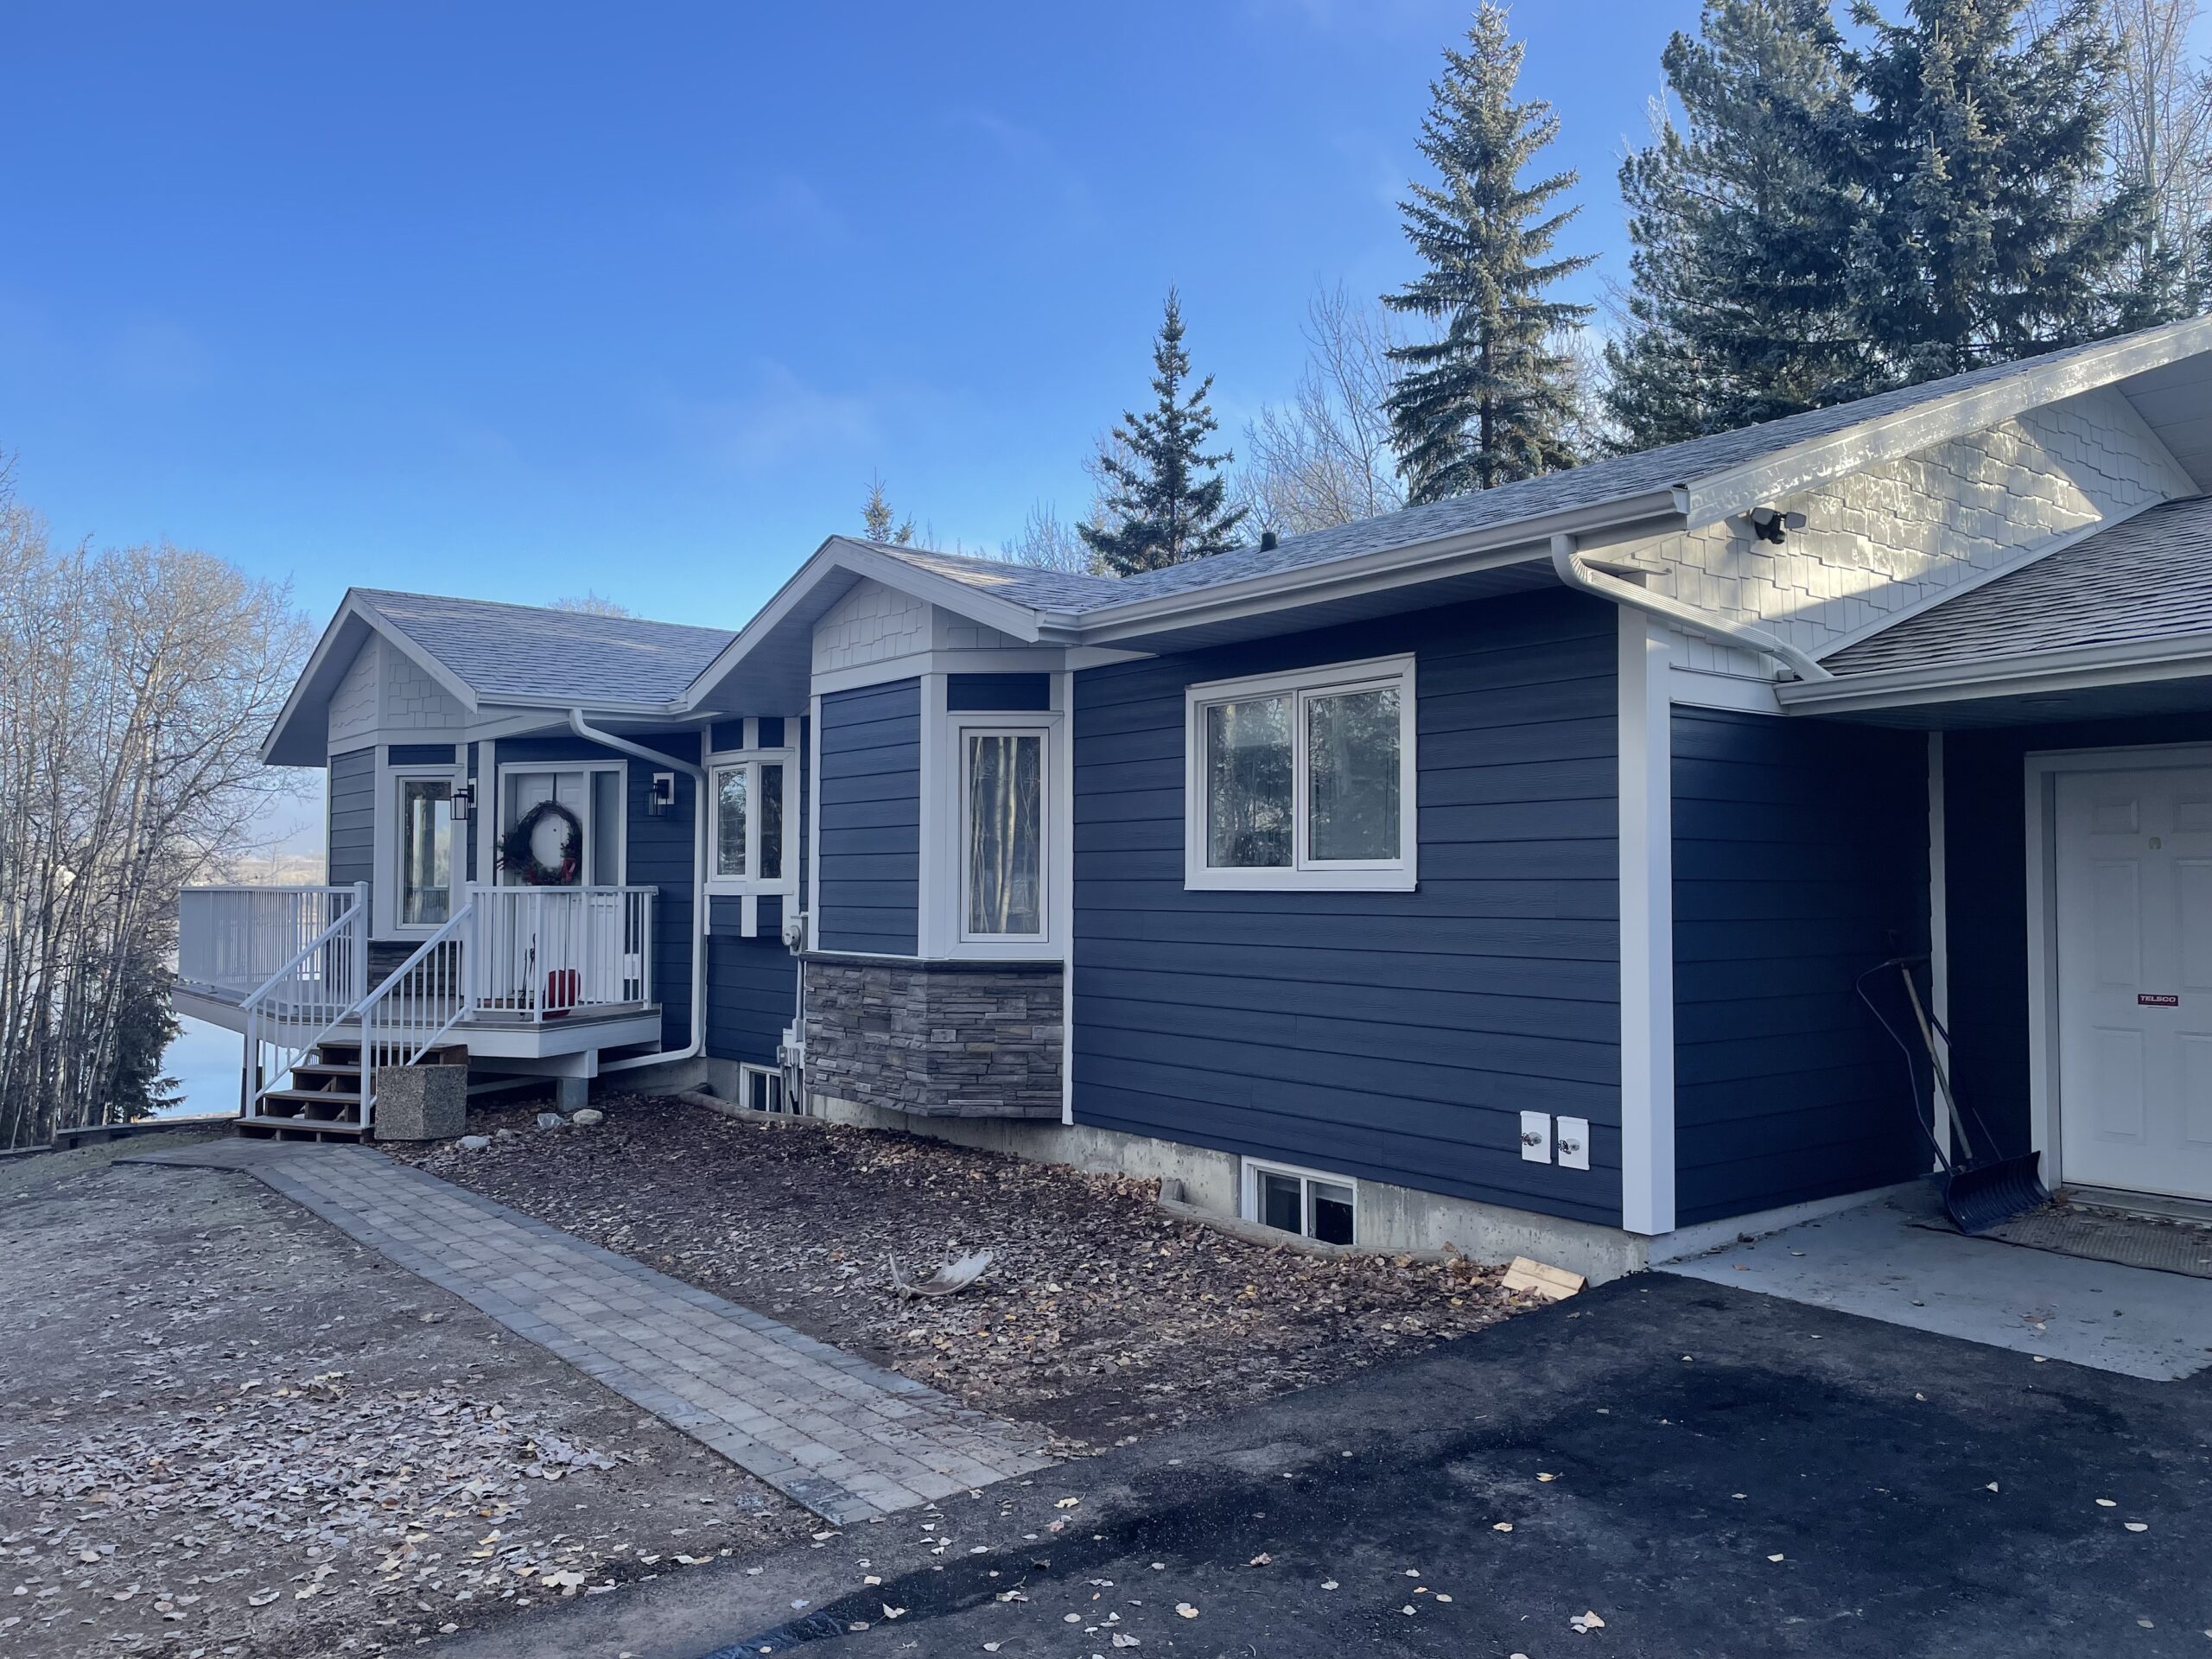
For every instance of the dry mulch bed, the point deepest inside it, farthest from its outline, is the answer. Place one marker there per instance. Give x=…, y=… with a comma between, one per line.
x=1103, y=1318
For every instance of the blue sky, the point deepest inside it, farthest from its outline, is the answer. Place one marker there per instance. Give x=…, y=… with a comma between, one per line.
x=521, y=302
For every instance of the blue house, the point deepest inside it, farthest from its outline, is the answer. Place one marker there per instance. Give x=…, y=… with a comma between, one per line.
x=1497, y=871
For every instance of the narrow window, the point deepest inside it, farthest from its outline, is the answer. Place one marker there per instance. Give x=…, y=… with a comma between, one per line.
x=771, y=821
x=1005, y=864
x=729, y=821
x=425, y=851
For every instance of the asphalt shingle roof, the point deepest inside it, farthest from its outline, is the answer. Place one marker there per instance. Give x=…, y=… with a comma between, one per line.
x=522, y=651
x=2148, y=578
x=1618, y=479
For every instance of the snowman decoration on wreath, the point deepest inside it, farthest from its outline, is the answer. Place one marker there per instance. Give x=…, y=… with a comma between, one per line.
x=546, y=847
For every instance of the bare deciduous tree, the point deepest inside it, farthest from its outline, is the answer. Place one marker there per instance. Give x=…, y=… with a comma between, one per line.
x=135, y=690
x=2161, y=131
x=1048, y=541
x=592, y=602
x=1325, y=457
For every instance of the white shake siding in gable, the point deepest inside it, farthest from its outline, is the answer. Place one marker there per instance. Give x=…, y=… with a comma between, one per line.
x=876, y=623
x=872, y=624
x=413, y=701
x=353, y=705
x=1900, y=534
x=385, y=692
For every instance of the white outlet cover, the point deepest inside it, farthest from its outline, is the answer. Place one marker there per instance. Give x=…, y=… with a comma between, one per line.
x=1536, y=1137
x=1575, y=1143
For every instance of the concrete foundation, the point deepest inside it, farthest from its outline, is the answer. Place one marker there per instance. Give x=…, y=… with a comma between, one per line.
x=422, y=1102
x=1390, y=1217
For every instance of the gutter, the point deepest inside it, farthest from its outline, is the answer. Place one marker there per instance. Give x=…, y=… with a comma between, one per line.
x=697, y=1046
x=1576, y=573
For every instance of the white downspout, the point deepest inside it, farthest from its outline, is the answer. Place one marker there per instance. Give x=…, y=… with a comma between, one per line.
x=1576, y=574
x=584, y=729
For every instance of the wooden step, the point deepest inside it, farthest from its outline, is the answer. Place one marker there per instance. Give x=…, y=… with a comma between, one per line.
x=263, y=1127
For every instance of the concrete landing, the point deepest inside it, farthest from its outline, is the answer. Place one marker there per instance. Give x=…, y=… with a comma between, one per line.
x=1882, y=1262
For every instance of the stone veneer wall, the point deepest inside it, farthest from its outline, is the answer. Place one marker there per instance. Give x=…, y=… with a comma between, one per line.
x=935, y=1038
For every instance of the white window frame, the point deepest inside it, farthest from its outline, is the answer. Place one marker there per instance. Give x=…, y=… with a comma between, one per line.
x=746, y=1071
x=1255, y=1167
x=395, y=780
x=1001, y=725
x=1302, y=874
x=506, y=770
x=750, y=762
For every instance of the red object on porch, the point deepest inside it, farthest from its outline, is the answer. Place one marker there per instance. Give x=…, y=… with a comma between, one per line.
x=560, y=992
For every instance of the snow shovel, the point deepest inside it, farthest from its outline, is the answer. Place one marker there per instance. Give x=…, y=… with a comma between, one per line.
x=1979, y=1189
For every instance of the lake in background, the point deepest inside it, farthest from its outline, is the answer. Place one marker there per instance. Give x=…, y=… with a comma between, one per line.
x=205, y=1060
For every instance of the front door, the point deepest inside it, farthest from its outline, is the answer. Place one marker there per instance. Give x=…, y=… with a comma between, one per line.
x=2135, y=866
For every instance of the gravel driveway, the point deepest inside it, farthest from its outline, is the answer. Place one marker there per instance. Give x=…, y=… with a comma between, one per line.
x=227, y=1430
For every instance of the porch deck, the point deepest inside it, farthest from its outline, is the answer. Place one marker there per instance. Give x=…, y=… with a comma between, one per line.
x=530, y=978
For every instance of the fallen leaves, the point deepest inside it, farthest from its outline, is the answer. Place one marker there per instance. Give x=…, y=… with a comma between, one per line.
x=1104, y=1315
x=1583, y=1624
x=1184, y=1609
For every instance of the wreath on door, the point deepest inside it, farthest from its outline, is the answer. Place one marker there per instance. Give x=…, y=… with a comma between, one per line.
x=546, y=847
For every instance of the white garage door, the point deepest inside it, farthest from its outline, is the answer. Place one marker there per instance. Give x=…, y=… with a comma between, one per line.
x=2134, y=855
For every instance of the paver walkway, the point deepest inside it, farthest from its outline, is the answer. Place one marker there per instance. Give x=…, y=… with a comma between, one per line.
x=848, y=1440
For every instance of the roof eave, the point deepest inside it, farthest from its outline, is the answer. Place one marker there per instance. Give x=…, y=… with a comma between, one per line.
x=1024, y=622
x=2081, y=668
x=1737, y=489
x=1426, y=560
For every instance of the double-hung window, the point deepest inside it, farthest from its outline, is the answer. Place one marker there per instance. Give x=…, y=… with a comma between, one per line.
x=1302, y=780
x=753, y=799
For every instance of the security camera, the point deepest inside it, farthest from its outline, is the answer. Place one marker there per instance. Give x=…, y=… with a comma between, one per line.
x=1772, y=524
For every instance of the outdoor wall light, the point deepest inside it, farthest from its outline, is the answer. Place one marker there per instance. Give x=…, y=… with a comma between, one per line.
x=1772, y=524
x=663, y=794
x=464, y=802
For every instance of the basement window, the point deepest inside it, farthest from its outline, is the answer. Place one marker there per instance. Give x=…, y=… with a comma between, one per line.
x=761, y=1089
x=1301, y=1201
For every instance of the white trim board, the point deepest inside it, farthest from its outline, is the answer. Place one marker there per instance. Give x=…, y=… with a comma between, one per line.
x=1647, y=926
x=2041, y=770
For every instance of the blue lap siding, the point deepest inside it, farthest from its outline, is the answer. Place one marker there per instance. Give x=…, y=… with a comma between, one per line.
x=352, y=848
x=1801, y=860
x=871, y=819
x=1396, y=1036
x=752, y=984
x=1985, y=877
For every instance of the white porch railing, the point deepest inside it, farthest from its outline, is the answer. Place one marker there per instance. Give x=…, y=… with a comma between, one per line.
x=419, y=1001
x=295, y=960
x=307, y=997
x=232, y=941
x=543, y=953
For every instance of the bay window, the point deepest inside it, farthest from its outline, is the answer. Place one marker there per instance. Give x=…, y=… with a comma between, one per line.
x=1303, y=779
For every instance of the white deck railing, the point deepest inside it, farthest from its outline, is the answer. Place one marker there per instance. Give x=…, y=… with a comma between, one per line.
x=232, y=941
x=419, y=1001
x=307, y=997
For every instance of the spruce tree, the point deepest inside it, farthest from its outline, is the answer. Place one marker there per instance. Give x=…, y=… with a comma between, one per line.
x=1492, y=398
x=1994, y=235
x=1165, y=502
x=1738, y=217
x=880, y=521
